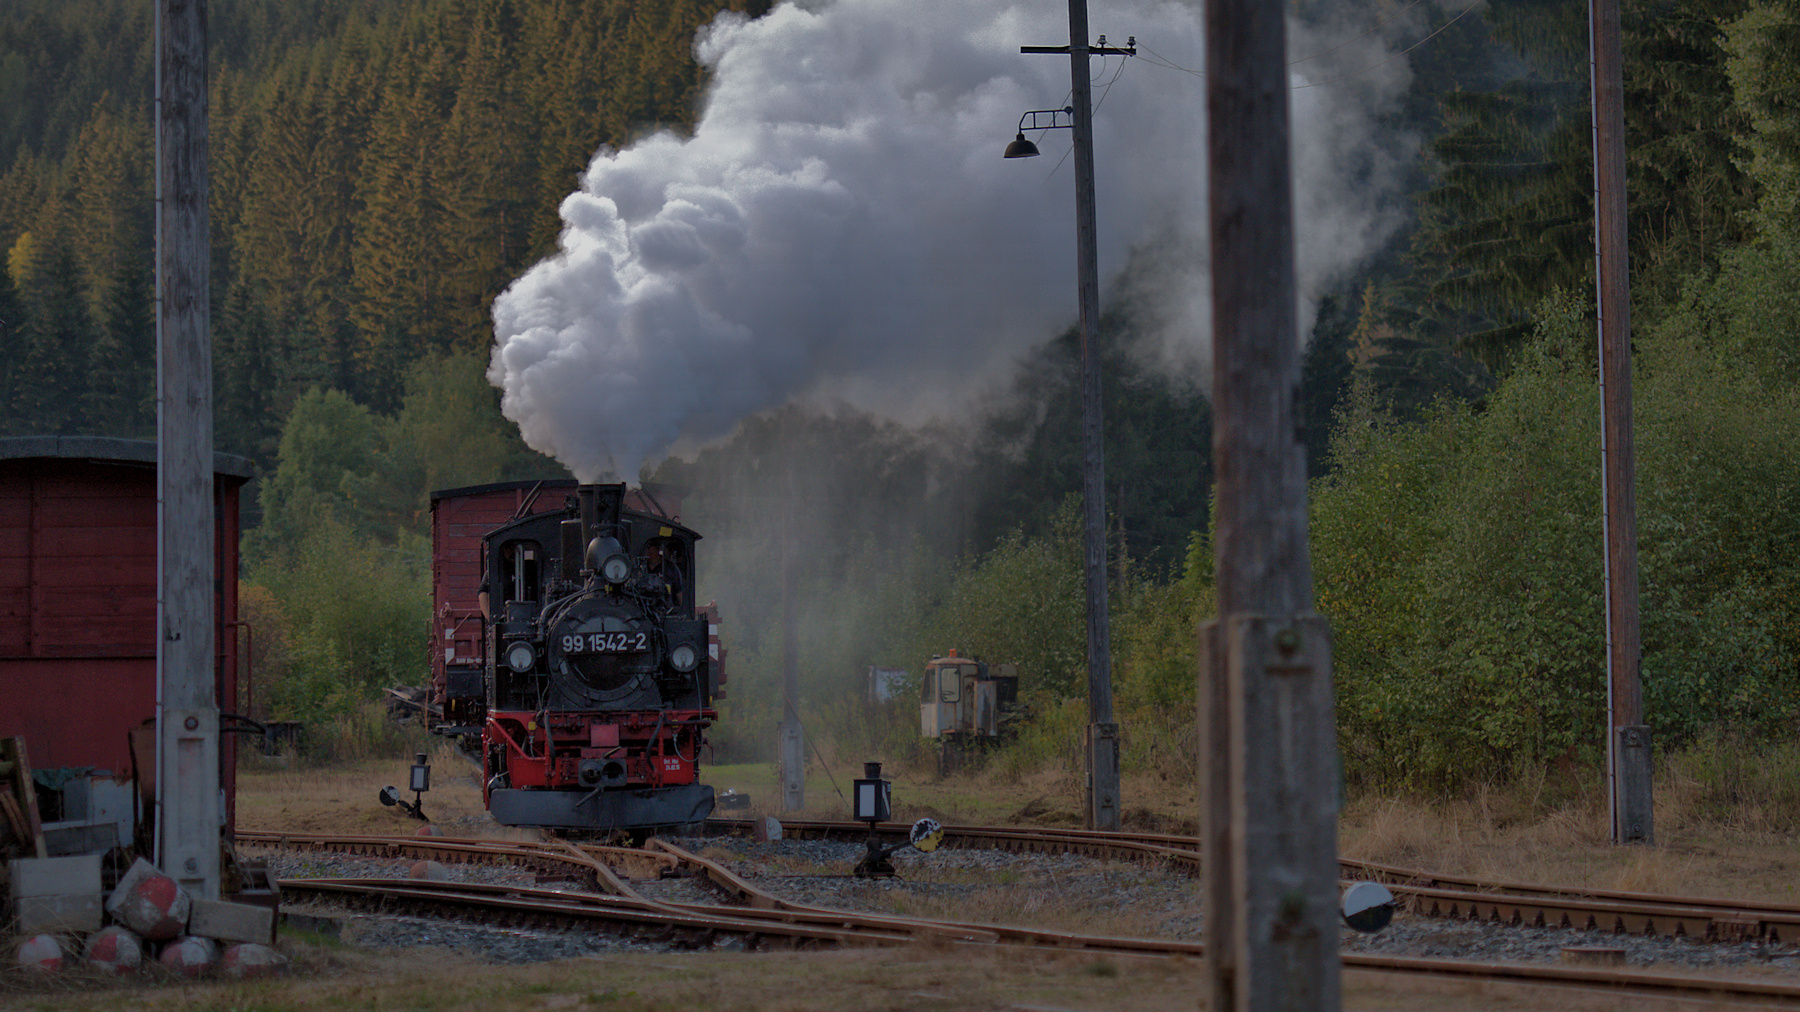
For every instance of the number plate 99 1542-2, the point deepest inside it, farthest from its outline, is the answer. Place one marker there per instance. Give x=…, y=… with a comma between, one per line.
x=605, y=642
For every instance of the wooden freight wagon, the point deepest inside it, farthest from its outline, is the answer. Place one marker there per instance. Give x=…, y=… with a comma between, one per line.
x=78, y=576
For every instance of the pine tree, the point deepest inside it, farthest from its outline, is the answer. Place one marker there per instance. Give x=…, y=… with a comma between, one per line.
x=1509, y=220
x=488, y=183
x=50, y=383
x=398, y=260
x=109, y=190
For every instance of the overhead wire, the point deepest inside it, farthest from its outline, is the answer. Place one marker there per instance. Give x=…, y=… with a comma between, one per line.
x=1383, y=63
x=1158, y=60
x=1378, y=27
x=1104, y=91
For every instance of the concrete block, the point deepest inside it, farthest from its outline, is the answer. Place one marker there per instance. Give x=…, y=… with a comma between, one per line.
x=41, y=952
x=80, y=837
x=190, y=955
x=56, y=876
x=251, y=960
x=232, y=922
x=117, y=949
x=150, y=903
x=58, y=913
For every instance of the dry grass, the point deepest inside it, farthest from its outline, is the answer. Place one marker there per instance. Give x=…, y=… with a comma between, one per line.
x=924, y=978
x=1571, y=845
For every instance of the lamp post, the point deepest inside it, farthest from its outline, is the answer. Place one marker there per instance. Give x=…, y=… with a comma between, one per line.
x=1103, y=732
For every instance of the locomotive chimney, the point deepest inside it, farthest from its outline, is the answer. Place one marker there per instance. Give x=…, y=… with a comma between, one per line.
x=589, y=521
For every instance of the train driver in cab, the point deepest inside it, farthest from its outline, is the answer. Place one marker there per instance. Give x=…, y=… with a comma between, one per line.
x=662, y=576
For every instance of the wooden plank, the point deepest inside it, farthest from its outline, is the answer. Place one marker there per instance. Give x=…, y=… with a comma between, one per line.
x=15, y=548
x=25, y=795
x=88, y=511
x=15, y=819
x=96, y=542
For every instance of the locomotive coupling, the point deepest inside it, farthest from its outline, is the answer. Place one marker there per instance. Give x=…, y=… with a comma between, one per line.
x=601, y=773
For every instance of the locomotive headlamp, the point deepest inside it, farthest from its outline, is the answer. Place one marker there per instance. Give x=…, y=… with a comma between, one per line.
x=520, y=657
x=684, y=657
x=614, y=566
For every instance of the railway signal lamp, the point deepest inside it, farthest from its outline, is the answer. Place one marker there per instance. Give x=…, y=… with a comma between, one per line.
x=418, y=784
x=421, y=775
x=874, y=797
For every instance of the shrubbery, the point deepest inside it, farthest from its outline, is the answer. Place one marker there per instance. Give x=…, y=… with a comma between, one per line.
x=1460, y=561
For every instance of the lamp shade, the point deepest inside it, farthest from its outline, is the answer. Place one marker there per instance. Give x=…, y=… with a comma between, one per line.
x=1021, y=148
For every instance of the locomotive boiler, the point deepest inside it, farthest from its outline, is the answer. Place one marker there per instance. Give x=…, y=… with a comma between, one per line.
x=597, y=681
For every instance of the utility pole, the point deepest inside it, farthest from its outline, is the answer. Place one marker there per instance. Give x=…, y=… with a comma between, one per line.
x=1628, y=738
x=187, y=713
x=1103, y=733
x=1268, y=741
x=793, y=751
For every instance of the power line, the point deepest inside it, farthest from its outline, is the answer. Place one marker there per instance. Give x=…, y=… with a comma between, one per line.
x=1383, y=63
x=1158, y=60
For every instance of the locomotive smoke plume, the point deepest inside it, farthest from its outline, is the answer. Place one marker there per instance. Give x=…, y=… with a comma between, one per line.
x=841, y=226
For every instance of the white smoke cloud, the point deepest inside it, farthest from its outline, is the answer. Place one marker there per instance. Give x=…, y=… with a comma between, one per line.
x=841, y=224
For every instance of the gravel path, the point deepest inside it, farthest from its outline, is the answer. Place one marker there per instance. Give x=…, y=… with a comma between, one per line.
x=815, y=872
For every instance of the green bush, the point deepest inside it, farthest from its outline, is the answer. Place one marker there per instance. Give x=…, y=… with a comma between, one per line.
x=1460, y=562
x=354, y=614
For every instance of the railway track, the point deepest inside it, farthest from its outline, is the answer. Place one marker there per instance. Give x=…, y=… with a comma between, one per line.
x=755, y=919
x=1425, y=894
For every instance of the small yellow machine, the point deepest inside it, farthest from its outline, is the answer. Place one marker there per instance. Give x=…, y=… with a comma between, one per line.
x=967, y=705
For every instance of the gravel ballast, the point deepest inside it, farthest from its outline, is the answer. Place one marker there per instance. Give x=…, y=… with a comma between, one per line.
x=816, y=872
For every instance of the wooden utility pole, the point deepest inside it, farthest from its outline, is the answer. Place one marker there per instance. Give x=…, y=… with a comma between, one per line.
x=1102, y=746
x=792, y=742
x=1103, y=732
x=1268, y=741
x=187, y=766
x=1628, y=738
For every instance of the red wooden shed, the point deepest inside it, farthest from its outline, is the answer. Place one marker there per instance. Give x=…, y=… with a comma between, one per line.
x=78, y=576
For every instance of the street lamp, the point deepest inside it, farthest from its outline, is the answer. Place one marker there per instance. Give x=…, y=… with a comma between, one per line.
x=1022, y=148
x=1103, y=733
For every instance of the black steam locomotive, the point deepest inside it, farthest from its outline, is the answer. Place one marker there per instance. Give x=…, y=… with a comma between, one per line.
x=597, y=676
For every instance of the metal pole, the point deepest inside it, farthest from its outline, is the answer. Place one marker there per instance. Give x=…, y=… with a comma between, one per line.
x=1103, y=733
x=1269, y=781
x=1628, y=739
x=187, y=781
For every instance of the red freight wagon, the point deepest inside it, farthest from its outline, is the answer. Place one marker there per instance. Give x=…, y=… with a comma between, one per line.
x=78, y=569
x=460, y=517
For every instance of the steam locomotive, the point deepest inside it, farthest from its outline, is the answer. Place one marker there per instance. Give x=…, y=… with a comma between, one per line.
x=596, y=680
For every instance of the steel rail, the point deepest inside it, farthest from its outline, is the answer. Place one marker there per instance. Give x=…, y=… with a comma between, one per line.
x=1455, y=897
x=763, y=919
x=797, y=927
x=1617, y=981
x=1426, y=894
